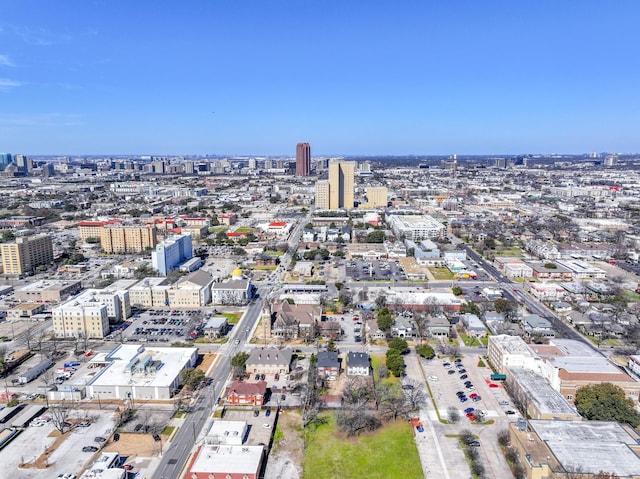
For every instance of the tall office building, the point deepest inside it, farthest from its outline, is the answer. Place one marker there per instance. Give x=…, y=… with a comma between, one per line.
x=303, y=159
x=5, y=160
x=171, y=253
x=25, y=254
x=341, y=184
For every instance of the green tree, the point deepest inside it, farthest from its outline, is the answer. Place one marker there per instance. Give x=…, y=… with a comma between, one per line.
x=457, y=290
x=191, y=377
x=507, y=307
x=385, y=319
x=239, y=363
x=606, y=402
x=425, y=351
x=399, y=345
x=471, y=308
x=375, y=237
x=7, y=236
x=395, y=362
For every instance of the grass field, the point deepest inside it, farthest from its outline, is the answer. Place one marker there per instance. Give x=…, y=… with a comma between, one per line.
x=232, y=318
x=388, y=453
x=441, y=274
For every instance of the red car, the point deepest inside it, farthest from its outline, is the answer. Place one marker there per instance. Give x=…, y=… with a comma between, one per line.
x=473, y=395
x=128, y=467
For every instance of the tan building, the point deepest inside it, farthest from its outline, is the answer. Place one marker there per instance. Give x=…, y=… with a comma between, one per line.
x=25, y=254
x=322, y=194
x=92, y=229
x=341, y=184
x=47, y=291
x=192, y=291
x=127, y=239
x=149, y=293
x=376, y=197
x=75, y=319
x=26, y=311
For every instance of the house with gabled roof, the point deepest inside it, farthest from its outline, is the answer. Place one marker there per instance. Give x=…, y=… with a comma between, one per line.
x=358, y=364
x=293, y=321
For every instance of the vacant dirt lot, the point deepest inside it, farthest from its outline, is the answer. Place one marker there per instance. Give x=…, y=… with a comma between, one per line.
x=285, y=459
x=135, y=445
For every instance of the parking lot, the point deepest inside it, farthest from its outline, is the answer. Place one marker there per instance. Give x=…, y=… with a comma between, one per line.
x=163, y=326
x=374, y=270
x=64, y=455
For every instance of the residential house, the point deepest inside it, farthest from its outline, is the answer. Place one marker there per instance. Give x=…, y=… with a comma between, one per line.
x=473, y=325
x=269, y=361
x=358, y=364
x=403, y=328
x=293, y=321
x=438, y=327
x=246, y=394
x=328, y=364
x=215, y=328
x=535, y=325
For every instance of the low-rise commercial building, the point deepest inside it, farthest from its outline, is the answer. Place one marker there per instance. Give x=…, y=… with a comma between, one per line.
x=132, y=371
x=48, y=291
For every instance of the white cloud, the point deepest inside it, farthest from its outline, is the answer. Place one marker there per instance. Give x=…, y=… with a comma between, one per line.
x=5, y=61
x=6, y=84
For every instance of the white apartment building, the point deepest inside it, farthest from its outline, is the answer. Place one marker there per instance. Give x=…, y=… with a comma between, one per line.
x=81, y=319
x=415, y=227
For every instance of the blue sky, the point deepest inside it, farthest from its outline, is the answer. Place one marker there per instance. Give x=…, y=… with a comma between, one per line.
x=350, y=77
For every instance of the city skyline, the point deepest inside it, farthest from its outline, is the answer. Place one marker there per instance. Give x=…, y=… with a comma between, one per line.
x=230, y=79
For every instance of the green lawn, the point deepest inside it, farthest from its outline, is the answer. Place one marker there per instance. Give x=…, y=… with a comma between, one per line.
x=388, y=453
x=468, y=340
x=441, y=274
x=232, y=318
x=512, y=251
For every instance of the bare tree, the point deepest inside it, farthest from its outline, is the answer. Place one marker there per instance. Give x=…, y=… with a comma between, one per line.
x=422, y=322
x=453, y=415
x=390, y=400
x=414, y=397
x=59, y=414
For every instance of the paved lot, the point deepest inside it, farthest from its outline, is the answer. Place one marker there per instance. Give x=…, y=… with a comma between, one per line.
x=68, y=457
x=441, y=454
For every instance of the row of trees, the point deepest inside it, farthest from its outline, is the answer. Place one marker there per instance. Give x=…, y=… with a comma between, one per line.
x=367, y=402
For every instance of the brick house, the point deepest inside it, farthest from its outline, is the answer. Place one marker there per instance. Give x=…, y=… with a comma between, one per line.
x=248, y=394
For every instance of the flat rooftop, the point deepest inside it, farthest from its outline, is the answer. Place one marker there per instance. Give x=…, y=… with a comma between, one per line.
x=220, y=459
x=593, y=446
x=168, y=364
x=546, y=399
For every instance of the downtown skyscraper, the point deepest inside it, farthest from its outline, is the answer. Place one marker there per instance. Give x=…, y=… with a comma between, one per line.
x=303, y=159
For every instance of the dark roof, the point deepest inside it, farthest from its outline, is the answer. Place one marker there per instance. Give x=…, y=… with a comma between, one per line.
x=327, y=359
x=358, y=360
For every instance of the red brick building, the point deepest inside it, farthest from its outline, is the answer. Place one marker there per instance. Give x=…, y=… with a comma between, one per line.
x=247, y=394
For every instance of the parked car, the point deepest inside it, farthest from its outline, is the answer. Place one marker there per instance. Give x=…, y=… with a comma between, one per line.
x=99, y=439
x=138, y=428
x=127, y=467
x=156, y=438
x=509, y=411
x=419, y=428
x=464, y=376
x=116, y=437
x=256, y=413
x=463, y=399
x=268, y=412
x=89, y=449
x=468, y=410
